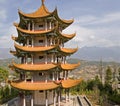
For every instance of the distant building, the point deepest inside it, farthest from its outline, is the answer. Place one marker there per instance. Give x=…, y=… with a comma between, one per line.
x=40, y=47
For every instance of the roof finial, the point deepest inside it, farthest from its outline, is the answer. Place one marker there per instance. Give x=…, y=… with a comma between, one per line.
x=43, y=1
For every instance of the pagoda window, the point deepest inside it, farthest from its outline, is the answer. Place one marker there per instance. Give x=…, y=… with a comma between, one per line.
x=41, y=26
x=41, y=91
x=40, y=74
x=40, y=41
x=41, y=57
x=50, y=90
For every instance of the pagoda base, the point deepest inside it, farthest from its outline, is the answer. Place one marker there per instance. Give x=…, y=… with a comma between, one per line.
x=43, y=97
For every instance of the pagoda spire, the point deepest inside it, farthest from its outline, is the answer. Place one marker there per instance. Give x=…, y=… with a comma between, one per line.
x=42, y=1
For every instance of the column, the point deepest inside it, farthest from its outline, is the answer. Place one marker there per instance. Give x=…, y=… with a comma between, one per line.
x=46, y=98
x=45, y=41
x=50, y=25
x=64, y=59
x=25, y=76
x=54, y=97
x=53, y=76
x=68, y=94
x=24, y=101
x=51, y=41
x=46, y=25
x=60, y=95
x=57, y=76
x=26, y=58
x=29, y=26
x=52, y=58
x=32, y=99
x=58, y=98
x=31, y=77
x=27, y=42
x=65, y=95
x=32, y=58
x=45, y=58
x=33, y=26
x=64, y=75
x=32, y=42
x=45, y=77
x=55, y=59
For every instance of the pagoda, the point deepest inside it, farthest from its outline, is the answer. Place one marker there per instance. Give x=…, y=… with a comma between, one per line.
x=43, y=69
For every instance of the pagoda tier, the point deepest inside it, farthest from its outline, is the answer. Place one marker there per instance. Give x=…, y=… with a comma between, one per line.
x=34, y=48
x=69, y=66
x=67, y=50
x=65, y=37
x=62, y=37
x=44, y=49
x=44, y=67
x=35, y=67
x=70, y=83
x=34, y=32
x=43, y=14
x=27, y=85
x=34, y=85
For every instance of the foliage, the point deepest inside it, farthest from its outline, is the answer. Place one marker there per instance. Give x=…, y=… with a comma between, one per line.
x=119, y=75
x=3, y=74
x=6, y=95
x=108, y=78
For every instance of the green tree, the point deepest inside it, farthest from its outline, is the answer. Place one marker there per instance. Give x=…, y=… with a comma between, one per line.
x=119, y=74
x=108, y=77
x=3, y=74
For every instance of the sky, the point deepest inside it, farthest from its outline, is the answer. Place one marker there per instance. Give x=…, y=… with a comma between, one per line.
x=96, y=22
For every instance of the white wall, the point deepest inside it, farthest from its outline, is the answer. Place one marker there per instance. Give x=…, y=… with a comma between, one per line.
x=39, y=97
x=36, y=41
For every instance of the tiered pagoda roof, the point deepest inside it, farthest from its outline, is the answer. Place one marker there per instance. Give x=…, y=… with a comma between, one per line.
x=34, y=86
x=34, y=49
x=45, y=85
x=34, y=67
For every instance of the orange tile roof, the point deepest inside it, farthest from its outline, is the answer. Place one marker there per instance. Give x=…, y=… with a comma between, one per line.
x=42, y=11
x=34, y=49
x=13, y=52
x=68, y=36
x=33, y=32
x=14, y=37
x=70, y=83
x=35, y=67
x=68, y=50
x=65, y=37
x=34, y=86
x=62, y=20
x=69, y=66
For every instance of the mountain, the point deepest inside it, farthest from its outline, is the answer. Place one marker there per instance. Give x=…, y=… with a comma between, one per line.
x=98, y=53
x=84, y=53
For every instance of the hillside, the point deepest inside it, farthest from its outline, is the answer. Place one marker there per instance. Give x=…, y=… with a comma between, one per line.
x=98, y=53
x=87, y=69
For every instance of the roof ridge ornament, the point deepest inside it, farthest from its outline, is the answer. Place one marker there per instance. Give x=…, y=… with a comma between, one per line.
x=42, y=2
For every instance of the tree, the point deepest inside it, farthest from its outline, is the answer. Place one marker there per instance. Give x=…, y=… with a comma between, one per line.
x=119, y=75
x=108, y=77
x=3, y=74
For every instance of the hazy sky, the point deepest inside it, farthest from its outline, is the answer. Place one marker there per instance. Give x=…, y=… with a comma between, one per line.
x=96, y=22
